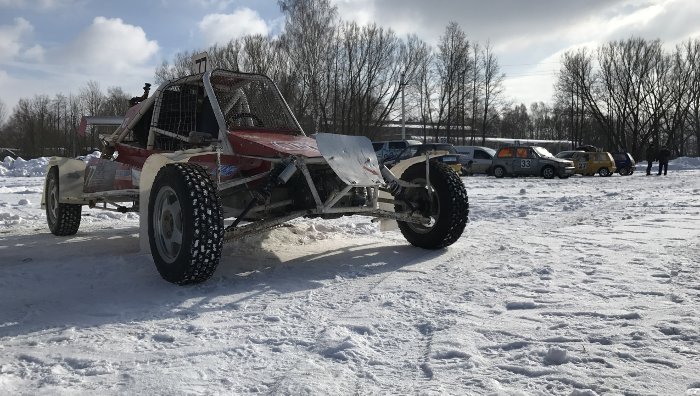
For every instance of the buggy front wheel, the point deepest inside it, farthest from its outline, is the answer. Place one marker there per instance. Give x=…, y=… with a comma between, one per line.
x=446, y=205
x=185, y=224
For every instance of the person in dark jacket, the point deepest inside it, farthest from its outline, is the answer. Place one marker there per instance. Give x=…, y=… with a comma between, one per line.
x=651, y=157
x=664, y=154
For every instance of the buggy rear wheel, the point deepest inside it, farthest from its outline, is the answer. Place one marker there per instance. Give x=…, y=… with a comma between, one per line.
x=63, y=219
x=448, y=208
x=185, y=224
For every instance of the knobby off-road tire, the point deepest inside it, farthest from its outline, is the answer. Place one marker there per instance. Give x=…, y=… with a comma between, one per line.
x=185, y=224
x=63, y=219
x=450, y=210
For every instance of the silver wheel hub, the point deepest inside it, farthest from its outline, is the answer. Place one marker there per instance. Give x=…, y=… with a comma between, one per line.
x=167, y=224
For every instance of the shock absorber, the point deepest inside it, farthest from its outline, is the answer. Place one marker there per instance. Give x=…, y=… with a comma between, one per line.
x=279, y=175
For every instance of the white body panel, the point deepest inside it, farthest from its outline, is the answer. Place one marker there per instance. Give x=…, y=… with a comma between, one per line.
x=71, y=178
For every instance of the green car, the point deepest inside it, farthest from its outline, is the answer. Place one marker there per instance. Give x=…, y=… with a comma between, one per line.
x=530, y=161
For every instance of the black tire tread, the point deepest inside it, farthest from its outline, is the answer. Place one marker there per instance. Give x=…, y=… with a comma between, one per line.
x=502, y=175
x=200, y=200
x=454, y=206
x=544, y=169
x=67, y=216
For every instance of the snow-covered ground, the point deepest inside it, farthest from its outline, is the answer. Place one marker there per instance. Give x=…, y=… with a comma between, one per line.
x=575, y=287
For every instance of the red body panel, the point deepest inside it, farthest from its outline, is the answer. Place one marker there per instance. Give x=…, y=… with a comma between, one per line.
x=124, y=173
x=274, y=145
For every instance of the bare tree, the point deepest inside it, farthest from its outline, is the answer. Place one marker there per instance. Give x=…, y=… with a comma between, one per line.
x=3, y=112
x=310, y=27
x=492, y=88
x=451, y=64
x=92, y=99
x=116, y=103
x=476, y=79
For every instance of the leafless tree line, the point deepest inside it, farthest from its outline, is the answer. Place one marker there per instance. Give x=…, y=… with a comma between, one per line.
x=342, y=77
x=632, y=93
x=338, y=77
x=44, y=125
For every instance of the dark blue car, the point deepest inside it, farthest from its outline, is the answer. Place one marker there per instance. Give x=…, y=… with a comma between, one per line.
x=624, y=163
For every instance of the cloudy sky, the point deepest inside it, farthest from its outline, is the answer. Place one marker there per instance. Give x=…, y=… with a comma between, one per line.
x=51, y=46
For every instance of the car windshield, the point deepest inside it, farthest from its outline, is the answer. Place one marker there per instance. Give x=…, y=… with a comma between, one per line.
x=565, y=154
x=543, y=152
x=491, y=151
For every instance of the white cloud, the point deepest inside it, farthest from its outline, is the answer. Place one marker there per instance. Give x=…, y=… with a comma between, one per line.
x=221, y=28
x=41, y=5
x=109, y=51
x=11, y=37
x=216, y=4
x=112, y=45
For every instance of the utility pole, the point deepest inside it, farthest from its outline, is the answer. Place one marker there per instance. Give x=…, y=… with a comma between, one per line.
x=402, y=83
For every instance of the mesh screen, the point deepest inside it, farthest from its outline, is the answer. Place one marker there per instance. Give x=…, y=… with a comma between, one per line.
x=178, y=109
x=252, y=102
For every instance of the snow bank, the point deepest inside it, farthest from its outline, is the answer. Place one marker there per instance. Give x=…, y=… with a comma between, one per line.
x=22, y=168
x=680, y=163
x=35, y=167
x=685, y=163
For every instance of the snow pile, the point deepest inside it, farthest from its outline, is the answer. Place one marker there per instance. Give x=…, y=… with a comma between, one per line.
x=35, y=167
x=680, y=163
x=685, y=163
x=22, y=168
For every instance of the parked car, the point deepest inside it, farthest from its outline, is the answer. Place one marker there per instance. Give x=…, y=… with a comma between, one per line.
x=475, y=159
x=391, y=148
x=624, y=163
x=588, y=164
x=530, y=161
x=446, y=154
x=567, y=154
x=587, y=148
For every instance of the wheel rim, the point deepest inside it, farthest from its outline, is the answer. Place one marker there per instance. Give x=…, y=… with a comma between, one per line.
x=52, y=200
x=548, y=172
x=167, y=224
x=434, y=210
x=498, y=172
x=604, y=172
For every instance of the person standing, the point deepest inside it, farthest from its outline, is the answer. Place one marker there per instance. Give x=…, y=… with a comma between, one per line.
x=664, y=154
x=651, y=157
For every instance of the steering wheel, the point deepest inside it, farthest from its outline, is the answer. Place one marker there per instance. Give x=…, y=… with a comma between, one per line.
x=256, y=119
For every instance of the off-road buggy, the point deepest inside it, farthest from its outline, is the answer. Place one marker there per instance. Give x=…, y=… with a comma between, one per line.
x=218, y=155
